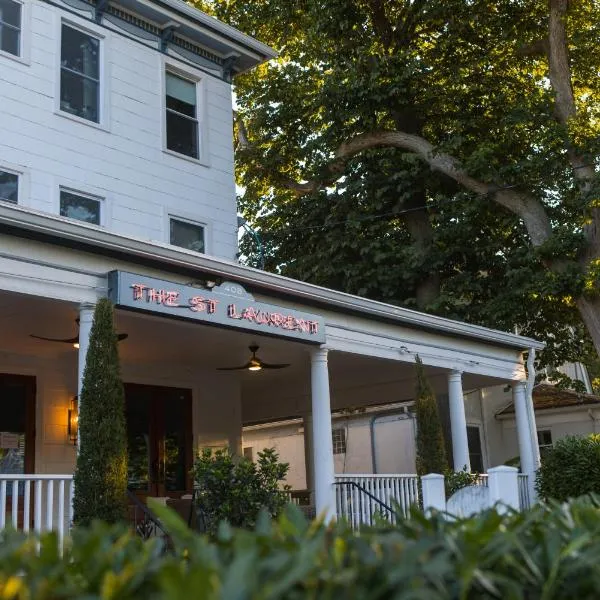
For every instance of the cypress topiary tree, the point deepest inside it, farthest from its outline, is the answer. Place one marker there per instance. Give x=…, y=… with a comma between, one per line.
x=431, y=448
x=101, y=471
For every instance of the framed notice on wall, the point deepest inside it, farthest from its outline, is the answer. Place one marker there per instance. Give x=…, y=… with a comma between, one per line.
x=8, y=440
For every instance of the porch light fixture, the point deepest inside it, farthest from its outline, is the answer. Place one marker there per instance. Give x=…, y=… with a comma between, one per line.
x=255, y=363
x=73, y=421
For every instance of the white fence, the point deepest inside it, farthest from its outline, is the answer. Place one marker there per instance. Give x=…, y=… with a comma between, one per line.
x=524, y=498
x=37, y=503
x=360, y=497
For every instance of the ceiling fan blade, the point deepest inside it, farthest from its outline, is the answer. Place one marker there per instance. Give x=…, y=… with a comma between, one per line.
x=265, y=365
x=122, y=336
x=64, y=341
x=241, y=368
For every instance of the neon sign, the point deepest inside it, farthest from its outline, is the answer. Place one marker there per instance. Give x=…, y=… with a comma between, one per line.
x=227, y=305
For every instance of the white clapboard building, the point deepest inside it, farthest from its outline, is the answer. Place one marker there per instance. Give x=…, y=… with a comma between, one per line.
x=116, y=179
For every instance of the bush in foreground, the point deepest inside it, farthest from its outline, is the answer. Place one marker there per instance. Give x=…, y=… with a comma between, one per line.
x=548, y=552
x=570, y=468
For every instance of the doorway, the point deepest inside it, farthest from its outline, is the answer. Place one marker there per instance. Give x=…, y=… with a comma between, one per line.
x=17, y=424
x=159, y=440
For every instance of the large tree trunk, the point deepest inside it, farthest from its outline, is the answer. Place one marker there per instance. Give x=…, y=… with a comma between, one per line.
x=589, y=309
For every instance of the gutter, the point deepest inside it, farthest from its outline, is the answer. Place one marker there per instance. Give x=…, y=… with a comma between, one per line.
x=15, y=220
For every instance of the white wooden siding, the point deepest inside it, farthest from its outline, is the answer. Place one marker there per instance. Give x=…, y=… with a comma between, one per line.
x=123, y=159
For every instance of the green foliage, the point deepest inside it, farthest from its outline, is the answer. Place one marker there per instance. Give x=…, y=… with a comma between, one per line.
x=431, y=448
x=549, y=553
x=456, y=74
x=101, y=470
x=456, y=480
x=570, y=468
x=236, y=489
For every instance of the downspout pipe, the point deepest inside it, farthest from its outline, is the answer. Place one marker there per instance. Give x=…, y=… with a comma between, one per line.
x=372, y=421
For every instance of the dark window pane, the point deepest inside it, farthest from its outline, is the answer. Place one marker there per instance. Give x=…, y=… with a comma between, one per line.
x=187, y=235
x=79, y=96
x=137, y=416
x=10, y=13
x=9, y=187
x=9, y=39
x=80, y=52
x=176, y=417
x=12, y=429
x=475, y=452
x=182, y=134
x=80, y=207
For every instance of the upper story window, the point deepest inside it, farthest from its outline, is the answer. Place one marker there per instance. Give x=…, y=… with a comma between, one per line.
x=79, y=206
x=182, y=115
x=79, y=74
x=186, y=235
x=10, y=27
x=9, y=187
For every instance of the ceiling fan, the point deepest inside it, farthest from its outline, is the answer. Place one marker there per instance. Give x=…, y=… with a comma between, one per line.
x=254, y=364
x=74, y=340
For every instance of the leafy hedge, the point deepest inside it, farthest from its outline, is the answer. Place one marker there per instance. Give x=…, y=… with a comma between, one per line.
x=549, y=552
x=570, y=468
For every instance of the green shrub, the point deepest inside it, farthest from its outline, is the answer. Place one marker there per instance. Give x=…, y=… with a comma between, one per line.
x=550, y=552
x=570, y=468
x=101, y=471
x=456, y=480
x=235, y=489
x=431, y=447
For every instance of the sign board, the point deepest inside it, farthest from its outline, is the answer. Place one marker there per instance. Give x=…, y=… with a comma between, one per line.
x=226, y=305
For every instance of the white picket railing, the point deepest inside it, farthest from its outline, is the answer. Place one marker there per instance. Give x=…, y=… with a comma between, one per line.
x=524, y=499
x=37, y=503
x=360, y=497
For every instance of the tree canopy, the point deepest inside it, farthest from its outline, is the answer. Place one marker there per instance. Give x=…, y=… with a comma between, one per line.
x=440, y=155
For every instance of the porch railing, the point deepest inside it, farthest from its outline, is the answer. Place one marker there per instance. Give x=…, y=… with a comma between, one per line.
x=393, y=494
x=37, y=503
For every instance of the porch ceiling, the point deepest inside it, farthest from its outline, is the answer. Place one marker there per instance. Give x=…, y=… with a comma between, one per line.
x=355, y=380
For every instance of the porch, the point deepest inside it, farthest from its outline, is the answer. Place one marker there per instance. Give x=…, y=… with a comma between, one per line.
x=178, y=402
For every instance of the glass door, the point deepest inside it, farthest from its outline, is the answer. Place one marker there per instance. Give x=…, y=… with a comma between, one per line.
x=159, y=440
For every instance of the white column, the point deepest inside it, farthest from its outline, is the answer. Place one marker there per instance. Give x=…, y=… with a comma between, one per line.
x=308, y=453
x=86, y=317
x=458, y=422
x=524, y=434
x=324, y=472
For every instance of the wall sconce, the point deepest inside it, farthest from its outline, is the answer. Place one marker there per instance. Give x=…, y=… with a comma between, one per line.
x=73, y=421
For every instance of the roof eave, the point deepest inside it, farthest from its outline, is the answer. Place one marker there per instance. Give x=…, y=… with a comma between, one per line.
x=59, y=229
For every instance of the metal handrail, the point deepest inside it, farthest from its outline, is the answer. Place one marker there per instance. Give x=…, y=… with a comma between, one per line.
x=367, y=493
x=148, y=514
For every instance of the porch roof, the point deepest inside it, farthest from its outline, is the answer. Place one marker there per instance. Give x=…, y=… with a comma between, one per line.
x=547, y=397
x=27, y=223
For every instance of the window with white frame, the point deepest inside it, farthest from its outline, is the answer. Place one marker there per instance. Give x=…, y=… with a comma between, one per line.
x=186, y=234
x=475, y=448
x=79, y=73
x=544, y=439
x=80, y=207
x=10, y=27
x=9, y=186
x=338, y=437
x=181, y=105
